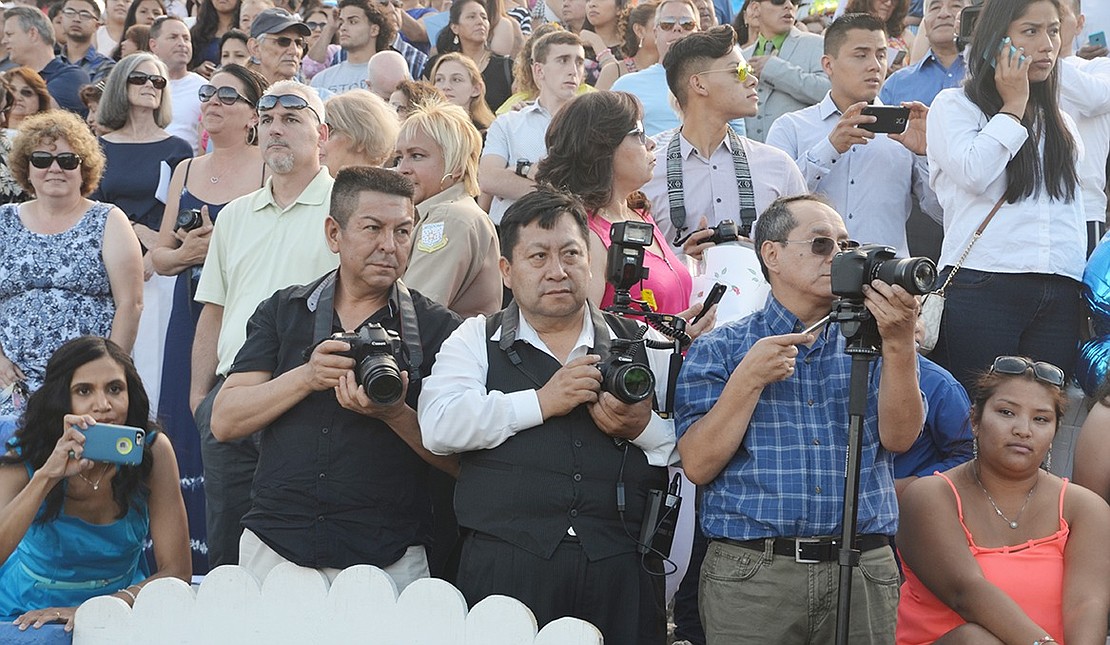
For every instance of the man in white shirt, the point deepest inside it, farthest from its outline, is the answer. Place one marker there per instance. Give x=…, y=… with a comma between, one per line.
x=1085, y=95
x=787, y=62
x=719, y=171
x=171, y=42
x=515, y=141
x=363, y=31
x=870, y=178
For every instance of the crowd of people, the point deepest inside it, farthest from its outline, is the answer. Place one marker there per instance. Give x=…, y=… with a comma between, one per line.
x=413, y=285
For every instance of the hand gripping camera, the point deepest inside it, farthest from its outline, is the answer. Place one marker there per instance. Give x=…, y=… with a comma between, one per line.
x=375, y=351
x=854, y=268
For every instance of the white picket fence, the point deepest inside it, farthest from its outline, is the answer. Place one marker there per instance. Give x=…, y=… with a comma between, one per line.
x=296, y=606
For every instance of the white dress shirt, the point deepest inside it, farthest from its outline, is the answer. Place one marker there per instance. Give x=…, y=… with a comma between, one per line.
x=968, y=154
x=709, y=185
x=1085, y=96
x=514, y=136
x=871, y=185
x=458, y=414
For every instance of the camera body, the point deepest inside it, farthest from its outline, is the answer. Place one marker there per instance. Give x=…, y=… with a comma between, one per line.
x=623, y=376
x=969, y=17
x=375, y=351
x=854, y=268
x=188, y=220
x=725, y=232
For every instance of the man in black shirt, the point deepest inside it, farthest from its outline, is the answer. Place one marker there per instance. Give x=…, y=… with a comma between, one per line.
x=341, y=480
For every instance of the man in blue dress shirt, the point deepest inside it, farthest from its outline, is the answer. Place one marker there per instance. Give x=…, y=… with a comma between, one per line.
x=941, y=68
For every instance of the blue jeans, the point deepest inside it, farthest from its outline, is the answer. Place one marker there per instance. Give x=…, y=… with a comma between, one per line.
x=1019, y=314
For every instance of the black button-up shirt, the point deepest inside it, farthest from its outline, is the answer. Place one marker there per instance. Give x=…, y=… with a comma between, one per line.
x=334, y=488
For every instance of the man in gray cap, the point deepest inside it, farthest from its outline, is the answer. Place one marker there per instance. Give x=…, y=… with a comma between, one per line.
x=278, y=43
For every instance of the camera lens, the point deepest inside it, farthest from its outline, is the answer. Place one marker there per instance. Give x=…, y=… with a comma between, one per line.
x=381, y=378
x=916, y=275
x=630, y=383
x=188, y=220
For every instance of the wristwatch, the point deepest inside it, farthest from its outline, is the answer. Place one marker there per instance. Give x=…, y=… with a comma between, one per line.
x=523, y=167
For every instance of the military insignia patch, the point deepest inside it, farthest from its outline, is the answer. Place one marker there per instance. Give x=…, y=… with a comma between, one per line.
x=432, y=238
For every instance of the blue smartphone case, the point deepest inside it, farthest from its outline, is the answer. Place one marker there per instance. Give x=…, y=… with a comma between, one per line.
x=122, y=445
x=1098, y=39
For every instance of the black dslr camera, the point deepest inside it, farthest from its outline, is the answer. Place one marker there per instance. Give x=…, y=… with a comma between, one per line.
x=854, y=268
x=622, y=376
x=724, y=232
x=969, y=18
x=188, y=220
x=375, y=350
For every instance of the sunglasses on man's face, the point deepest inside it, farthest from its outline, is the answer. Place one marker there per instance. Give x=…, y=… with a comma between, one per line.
x=227, y=95
x=778, y=3
x=1017, y=365
x=669, y=24
x=66, y=160
x=287, y=101
x=742, y=71
x=140, y=78
x=824, y=246
x=285, y=41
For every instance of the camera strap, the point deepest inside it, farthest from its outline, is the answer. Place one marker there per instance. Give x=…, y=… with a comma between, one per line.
x=510, y=322
x=676, y=200
x=322, y=303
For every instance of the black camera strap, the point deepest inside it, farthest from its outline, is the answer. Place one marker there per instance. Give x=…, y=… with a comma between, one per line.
x=510, y=322
x=322, y=303
x=744, y=186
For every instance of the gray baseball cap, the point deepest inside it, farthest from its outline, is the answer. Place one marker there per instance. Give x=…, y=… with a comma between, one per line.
x=275, y=21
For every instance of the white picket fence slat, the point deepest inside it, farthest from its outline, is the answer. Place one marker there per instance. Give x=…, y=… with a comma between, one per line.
x=295, y=606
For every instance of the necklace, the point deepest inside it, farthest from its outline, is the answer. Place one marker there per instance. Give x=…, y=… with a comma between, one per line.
x=95, y=484
x=1014, y=522
x=215, y=179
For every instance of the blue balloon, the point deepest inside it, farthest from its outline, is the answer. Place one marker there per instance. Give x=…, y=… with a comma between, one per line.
x=1096, y=287
x=1090, y=368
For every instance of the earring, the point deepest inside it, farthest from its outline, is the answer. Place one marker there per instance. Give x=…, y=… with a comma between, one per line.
x=252, y=135
x=975, y=447
x=445, y=178
x=455, y=40
x=1047, y=463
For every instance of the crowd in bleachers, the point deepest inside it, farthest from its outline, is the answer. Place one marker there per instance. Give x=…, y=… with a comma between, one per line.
x=420, y=285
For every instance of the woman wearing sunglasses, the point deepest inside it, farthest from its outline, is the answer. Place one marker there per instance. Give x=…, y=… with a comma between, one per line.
x=69, y=266
x=597, y=150
x=29, y=96
x=139, y=152
x=998, y=550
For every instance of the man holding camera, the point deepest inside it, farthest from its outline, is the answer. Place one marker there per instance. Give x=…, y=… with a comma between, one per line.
x=762, y=416
x=341, y=477
x=556, y=471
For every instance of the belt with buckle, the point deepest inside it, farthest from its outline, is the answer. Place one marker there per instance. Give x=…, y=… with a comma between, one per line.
x=811, y=550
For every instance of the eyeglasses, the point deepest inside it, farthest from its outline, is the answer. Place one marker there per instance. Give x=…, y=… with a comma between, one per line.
x=742, y=71
x=66, y=160
x=140, y=78
x=824, y=246
x=779, y=3
x=1018, y=365
x=227, y=95
x=316, y=26
x=70, y=12
x=285, y=41
x=26, y=92
x=639, y=133
x=287, y=101
x=668, y=24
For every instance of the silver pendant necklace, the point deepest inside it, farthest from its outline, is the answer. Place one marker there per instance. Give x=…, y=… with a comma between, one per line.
x=95, y=484
x=1014, y=522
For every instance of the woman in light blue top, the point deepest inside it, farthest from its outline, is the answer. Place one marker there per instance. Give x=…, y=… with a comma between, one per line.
x=71, y=528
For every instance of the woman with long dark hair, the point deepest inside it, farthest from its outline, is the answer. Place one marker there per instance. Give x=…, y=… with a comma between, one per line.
x=1002, y=142
x=214, y=19
x=71, y=528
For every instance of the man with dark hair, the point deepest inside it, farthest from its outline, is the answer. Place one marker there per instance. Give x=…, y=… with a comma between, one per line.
x=29, y=39
x=555, y=473
x=363, y=31
x=762, y=417
x=515, y=142
x=172, y=43
x=719, y=174
x=80, y=18
x=870, y=178
x=787, y=62
x=342, y=476
x=943, y=65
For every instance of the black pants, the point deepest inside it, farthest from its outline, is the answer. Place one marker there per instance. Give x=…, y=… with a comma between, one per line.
x=615, y=594
x=228, y=476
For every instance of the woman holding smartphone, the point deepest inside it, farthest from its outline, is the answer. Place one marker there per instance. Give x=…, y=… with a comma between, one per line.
x=70, y=528
x=1002, y=140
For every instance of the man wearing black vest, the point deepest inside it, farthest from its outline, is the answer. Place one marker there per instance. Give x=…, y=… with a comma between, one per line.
x=341, y=480
x=554, y=471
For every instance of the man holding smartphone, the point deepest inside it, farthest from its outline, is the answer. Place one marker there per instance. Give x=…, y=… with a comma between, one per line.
x=342, y=478
x=870, y=178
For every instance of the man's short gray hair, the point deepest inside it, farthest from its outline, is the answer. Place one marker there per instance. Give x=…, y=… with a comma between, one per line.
x=30, y=19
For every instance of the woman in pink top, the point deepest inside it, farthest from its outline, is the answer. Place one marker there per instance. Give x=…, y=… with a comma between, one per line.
x=597, y=149
x=998, y=550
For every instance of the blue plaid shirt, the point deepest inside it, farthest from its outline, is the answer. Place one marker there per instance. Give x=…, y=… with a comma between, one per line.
x=787, y=478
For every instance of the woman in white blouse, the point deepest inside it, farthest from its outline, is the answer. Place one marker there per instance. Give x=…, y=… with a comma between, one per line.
x=1003, y=137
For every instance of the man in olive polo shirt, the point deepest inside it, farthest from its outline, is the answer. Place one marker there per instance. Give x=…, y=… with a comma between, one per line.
x=262, y=242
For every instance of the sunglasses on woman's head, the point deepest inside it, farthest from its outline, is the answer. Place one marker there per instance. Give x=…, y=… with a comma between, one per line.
x=1017, y=365
x=66, y=160
x=669, y=24
x=227, y=95
x=287, y=101
x=140, y=78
